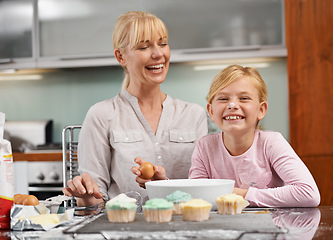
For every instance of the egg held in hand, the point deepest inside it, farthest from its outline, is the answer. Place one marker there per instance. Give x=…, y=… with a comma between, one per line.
x=147, y=170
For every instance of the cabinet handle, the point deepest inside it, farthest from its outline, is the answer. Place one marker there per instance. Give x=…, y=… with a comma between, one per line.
x=85, y=57
x=222, y=49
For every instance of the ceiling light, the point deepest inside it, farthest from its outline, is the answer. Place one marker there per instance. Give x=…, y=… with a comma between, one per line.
x=222, y=66
x=21, y=77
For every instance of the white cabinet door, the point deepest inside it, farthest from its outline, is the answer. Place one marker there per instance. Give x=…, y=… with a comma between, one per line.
x=195, y=24
x=73, y=29
x=16, y=33
x=78, y=33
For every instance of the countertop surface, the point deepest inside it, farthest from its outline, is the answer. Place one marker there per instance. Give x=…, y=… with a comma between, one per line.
x=295, y=223
x=52, y=155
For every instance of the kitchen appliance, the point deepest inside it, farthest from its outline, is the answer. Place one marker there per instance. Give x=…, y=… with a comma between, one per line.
x=26, y=134
x=41, y=178
x=45, y=178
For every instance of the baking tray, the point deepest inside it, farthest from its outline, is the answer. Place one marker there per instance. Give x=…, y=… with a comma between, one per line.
x=240, y=224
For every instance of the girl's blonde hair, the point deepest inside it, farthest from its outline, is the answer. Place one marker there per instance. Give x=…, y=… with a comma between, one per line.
x=134, y=27
x=231, y=74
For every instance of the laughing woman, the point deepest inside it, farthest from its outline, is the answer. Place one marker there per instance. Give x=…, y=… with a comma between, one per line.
x=139, y=123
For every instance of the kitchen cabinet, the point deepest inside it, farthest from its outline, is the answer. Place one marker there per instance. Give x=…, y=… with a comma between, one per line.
x=16, y=33
x=310, y=71
x=75, y=33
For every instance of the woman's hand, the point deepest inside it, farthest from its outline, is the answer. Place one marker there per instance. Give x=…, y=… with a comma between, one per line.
x=85, y=189
x=240, y=191
x=158, y=175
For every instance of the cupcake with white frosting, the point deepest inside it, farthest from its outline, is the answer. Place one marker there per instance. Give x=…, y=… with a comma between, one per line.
x=231, y=204
x=196, y=210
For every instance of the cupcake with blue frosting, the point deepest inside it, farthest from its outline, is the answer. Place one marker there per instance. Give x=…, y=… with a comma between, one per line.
x=177, y=198
x=158, y=210
x=121, y=209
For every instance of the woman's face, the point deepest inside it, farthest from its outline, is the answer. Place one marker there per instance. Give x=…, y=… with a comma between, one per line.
x=148, y=62
x=236, y=108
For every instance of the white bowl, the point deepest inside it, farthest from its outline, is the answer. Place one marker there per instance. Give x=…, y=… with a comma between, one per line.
x=206, y=189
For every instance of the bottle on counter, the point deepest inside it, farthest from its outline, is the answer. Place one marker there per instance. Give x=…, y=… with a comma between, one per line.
x=6, y=177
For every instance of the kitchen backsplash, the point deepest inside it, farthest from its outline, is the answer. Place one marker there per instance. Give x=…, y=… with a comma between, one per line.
x=65, y=95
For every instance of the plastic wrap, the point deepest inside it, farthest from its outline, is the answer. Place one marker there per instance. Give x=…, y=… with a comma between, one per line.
x=41, y=217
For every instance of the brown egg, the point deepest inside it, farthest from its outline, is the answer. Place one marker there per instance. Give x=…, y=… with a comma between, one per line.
x=16, y=196
x=31, y=200
x=20, y=199
x=147, y=170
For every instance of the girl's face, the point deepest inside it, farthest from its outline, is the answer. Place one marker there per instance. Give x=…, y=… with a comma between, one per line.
x=236, y=108
x=148, y=62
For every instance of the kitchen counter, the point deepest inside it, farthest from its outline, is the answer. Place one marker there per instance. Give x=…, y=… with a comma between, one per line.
x=41, y=156
x=295, y=223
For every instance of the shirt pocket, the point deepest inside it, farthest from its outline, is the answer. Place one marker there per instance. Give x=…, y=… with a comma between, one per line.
x=130, y=136
x=181, y=136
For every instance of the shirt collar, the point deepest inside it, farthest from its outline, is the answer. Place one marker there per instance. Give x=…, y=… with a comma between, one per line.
x=133, y=99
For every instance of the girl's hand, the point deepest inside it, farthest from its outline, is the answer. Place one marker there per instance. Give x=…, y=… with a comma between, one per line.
x=158, y=175
x=84, y=188
x=240, y=191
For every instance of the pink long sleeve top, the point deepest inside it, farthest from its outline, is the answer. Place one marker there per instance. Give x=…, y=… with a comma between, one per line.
x=270, y=169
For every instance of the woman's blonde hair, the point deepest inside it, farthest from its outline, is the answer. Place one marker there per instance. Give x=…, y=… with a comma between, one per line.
x=231, y=74
x=134, y=27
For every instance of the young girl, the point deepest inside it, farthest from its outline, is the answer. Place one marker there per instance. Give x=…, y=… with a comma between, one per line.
x=266, y=170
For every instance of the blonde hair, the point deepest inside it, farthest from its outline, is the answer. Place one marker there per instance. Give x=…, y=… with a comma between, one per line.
x=231, y=74
x=133, y=27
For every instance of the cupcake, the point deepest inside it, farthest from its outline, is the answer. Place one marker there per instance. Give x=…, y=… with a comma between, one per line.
x=230, y=204
x=121, y=209
x=177, y=198
x=158, y=210
x=196, y=210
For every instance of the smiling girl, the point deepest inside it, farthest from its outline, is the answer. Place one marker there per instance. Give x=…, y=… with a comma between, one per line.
x=266, y=170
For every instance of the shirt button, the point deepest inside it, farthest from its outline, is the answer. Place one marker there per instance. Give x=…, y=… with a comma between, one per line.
x=159, y=157
x=156, y=143
x=181, y=139
x=126, y=139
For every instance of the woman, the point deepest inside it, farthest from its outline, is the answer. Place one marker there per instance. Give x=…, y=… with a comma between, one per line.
x=140, y=123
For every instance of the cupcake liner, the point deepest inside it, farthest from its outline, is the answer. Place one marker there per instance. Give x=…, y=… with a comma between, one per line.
x=231, y=206
x=196, y=214
x=177, y=210
x=158, y=215
x=121, y=215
